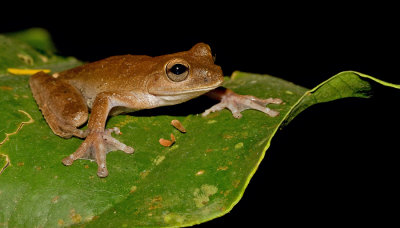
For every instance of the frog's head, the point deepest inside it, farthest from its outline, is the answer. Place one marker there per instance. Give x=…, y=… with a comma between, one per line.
x=185, y=75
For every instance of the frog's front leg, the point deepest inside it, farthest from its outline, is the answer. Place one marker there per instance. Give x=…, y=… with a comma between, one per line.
x=99, y=141
x=237, y=103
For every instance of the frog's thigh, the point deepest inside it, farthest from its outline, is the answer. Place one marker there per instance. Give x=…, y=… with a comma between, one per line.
x=62, y=105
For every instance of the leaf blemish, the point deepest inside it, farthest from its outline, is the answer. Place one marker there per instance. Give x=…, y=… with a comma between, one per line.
x=133, y=189
x=202, y=194
x=200, y=172
x=7, y=163
x=171, y=217
x=158, y=159
x=75, y=217
x=6, y=88
x=239, y=145
x=222, y=168
x=16, y=131
x=60, y=222
x=236, y=183
x=55, y=199
x=27, y=59
x=144, y=174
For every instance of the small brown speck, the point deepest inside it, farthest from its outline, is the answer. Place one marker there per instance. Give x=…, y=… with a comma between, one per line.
x=20, y=164
x=223, y=168
x=86, y=166
x=227, y=136
x=5, y=88
x=144, y=174
x=156, y=199
x=55, y=199
x=236, y=183
x=60, y=222
x=178, y=125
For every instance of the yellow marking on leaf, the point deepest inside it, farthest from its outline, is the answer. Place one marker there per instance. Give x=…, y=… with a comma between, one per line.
x=6, y=164
x=19, y=127
x=133, y=189
x=8, y=161
x=17, y=71
x=239, y=145
x=158, y=159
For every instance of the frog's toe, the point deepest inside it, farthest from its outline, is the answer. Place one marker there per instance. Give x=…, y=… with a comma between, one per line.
x=95, y=148
x=114, y=144
x=102, y=170
x=237, y=103
x=68, y=161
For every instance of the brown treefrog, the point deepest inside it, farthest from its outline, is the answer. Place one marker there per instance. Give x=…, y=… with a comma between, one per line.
x=129, y=83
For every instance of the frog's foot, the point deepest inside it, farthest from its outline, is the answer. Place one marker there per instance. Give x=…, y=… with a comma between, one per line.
x=95, y=147
x=237, y=103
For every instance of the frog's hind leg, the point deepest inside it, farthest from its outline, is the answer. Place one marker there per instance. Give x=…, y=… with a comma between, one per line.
x=62, y=105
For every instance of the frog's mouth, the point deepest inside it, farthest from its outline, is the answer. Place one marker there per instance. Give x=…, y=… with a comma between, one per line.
x=183, y=92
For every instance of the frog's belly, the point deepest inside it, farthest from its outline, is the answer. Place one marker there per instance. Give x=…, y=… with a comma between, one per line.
x=119, y=110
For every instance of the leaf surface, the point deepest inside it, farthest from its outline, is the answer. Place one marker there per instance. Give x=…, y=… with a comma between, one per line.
x=201, y=177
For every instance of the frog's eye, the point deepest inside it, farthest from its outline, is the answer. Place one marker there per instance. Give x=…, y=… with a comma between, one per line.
x=177, y=71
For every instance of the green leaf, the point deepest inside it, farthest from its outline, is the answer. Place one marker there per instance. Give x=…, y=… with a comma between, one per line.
x=201, y=177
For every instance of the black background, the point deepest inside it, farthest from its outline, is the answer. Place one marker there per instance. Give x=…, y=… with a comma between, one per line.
x=336, y=163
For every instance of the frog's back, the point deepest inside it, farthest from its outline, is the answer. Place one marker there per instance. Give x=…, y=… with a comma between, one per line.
x=108, y=67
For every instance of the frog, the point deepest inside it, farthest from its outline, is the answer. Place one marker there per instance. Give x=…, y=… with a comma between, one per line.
x=128, y=83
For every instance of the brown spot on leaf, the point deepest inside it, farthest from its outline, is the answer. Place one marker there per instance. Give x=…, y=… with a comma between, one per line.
x=5, y=88
x=156, y=203
x=236, y=183
x=226, y=136
x=223, y=168
x=157, y=199
x=55, y=199
x=75, y=217
x=144, y=173
x=20, y=164
x=60, y=222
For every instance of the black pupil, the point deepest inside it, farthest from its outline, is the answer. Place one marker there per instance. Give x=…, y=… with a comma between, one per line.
x=178, y=69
